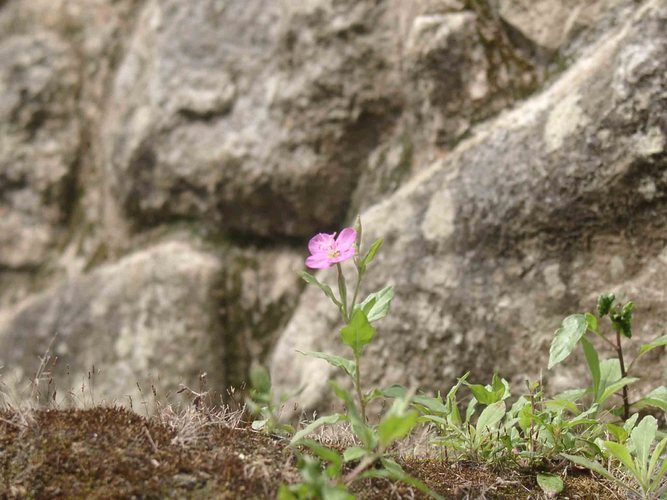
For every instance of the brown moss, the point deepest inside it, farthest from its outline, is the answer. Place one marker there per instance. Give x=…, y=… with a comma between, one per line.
x=115, y=453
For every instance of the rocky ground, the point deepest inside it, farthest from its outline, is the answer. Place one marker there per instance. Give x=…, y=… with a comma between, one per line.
x=104, y=452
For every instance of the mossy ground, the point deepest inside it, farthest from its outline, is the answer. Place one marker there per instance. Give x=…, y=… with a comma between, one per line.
x=115, y=453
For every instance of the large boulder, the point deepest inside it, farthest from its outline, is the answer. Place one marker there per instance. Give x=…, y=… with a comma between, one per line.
x=525, y=222
x=245, y=113
x=157, y=318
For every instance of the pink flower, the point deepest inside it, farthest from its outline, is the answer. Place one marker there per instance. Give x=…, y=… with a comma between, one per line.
x=325, y=250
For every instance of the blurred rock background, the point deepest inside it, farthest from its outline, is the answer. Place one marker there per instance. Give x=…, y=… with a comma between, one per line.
x=164, y=162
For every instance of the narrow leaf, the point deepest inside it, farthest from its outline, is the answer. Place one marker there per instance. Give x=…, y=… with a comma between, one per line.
x=393, y=427
x=312, y=280
x=316, y=424
x=592, y=465
x=338, y=361
x=593, y=362
x=353, y=453
x=622, y=455
x=660, y=341
x=616, y=386
x=370, y=255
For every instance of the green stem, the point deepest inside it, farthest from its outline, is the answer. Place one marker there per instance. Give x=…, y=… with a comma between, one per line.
x=356, y=290
x=605, y=339
x=357, y=386
x=619, y=352
x=342, y=290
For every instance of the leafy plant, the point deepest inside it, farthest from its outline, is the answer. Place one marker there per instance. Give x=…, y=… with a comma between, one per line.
x=639, y=456
x=259, y=404
x=371, y=452
x=611, y=375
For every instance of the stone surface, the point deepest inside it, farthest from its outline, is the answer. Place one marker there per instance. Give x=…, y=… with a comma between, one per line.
x=261, y=126
x=566, y=19
x=525, y=222
x=39, y=140
x=252, y=124
x=154, y=318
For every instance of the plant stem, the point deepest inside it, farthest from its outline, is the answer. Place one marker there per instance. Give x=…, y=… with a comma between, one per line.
x=606, y=340
x=357, y=386
x=342, y=290
x=619, y=352
x=356, y=290
x=365, y=463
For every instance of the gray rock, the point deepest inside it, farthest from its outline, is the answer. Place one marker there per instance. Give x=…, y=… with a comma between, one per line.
x=525, y=222
x=158, y=318
x=39, y=141
x=245, y=114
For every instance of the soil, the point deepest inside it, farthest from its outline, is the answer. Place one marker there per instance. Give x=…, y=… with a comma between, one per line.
x=115, y=453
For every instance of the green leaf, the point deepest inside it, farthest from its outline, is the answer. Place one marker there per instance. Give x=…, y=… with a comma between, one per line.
x=397, y=426
x=593, y=362
x=260, y=379
x=338, y=361
x=592, y=323
x=312, y=280
x=258, y=425
x=551, y=484
x=376, y=305
x=630, y=423
x=370, y=255
x=484, y=395
x=316, y=424
x=605, y=302
x=657, y=398
x=618, y=432
x=361, y=430
x=642, y=437
x=323, y=452
x=622, y=455
x=657, y=453
x=490, y=417
x=610, y=372
x=358, y=332
x=566, y=337
x=616, y=386
x=592, y=465
x=353, y=453
x=660, y=341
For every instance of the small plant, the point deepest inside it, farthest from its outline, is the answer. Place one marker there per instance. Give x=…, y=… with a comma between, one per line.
x=611, y=375
x=369, y=457
x=640, y=456
x=260, y=404
x=532, y=431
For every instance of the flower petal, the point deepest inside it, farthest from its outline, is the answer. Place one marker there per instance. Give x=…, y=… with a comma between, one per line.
x=318, y=262
x=346, y=239
x=320, y=242
x=344, y=255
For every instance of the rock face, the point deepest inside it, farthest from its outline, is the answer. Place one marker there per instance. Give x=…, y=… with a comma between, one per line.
x=153, y=318
x=39, y=132
x=163, y=164
x=524, y=222
x=146, y=318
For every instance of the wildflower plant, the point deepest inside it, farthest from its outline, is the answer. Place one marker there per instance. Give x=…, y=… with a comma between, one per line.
x=369, y=456
x=582, y=425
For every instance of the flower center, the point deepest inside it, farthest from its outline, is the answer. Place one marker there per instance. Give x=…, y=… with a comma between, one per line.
x=332, y=253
